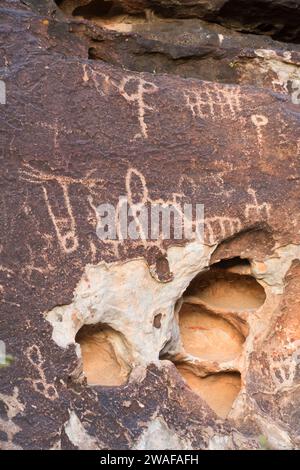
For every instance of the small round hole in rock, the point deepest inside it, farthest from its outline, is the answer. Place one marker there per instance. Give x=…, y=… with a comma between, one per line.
x=105, y=355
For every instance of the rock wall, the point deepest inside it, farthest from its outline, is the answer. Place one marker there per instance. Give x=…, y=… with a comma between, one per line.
x=150, y=343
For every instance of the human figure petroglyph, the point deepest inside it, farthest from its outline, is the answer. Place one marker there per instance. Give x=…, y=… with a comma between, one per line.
x=43, y=268
x=216, y=227
x=65, y=226
x=134, y=89
x=40, y=385
x=56, y=128
x=259, y=121
x=213, y=102
x=66, y=237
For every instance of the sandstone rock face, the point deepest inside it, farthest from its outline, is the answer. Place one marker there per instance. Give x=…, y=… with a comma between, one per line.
x=150, y=343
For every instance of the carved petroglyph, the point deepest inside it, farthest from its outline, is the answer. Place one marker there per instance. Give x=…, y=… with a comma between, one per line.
x=214, y=102
x=255, y=210
x=283, y=372
x=43, y=267
x=56, y=128
x=6, y=270
x=259, y=121
x=134, y=89
x=65, y=226
x=134, y=206
x=101, y=81
x=66, y=237
x=40, y=385
x=5, y=274
x=221, y=227
x=85, y=76
x=217, y=227
x=283, y=369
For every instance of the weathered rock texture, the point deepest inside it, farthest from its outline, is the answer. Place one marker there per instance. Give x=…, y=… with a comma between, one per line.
x=150, y=344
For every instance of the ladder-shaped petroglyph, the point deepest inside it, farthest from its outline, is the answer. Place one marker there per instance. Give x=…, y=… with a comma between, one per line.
x=213, y=102
x=134, y=90
x=221, y=227
x=40, y=385
x=65, y=226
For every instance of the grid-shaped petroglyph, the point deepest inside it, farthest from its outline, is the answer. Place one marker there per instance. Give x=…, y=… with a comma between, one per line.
x=221, y=227
x=214, y=102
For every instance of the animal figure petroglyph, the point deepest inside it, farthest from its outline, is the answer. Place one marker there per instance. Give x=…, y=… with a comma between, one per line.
x=255, y=210
x=134, y=89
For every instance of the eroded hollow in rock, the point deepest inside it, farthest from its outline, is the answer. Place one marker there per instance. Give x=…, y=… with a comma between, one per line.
x=104, y=355
x=208, y=336
x=213, y=330
x=105, y=13
x=218, y=390
x=226, y=286
x=97, y=8
x=280, y=20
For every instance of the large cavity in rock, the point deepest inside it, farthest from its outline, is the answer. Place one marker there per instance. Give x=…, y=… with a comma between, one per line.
x=207, y=335
x=212, y=328
x=227, y=288
x=102, y=349
x=218, y=390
